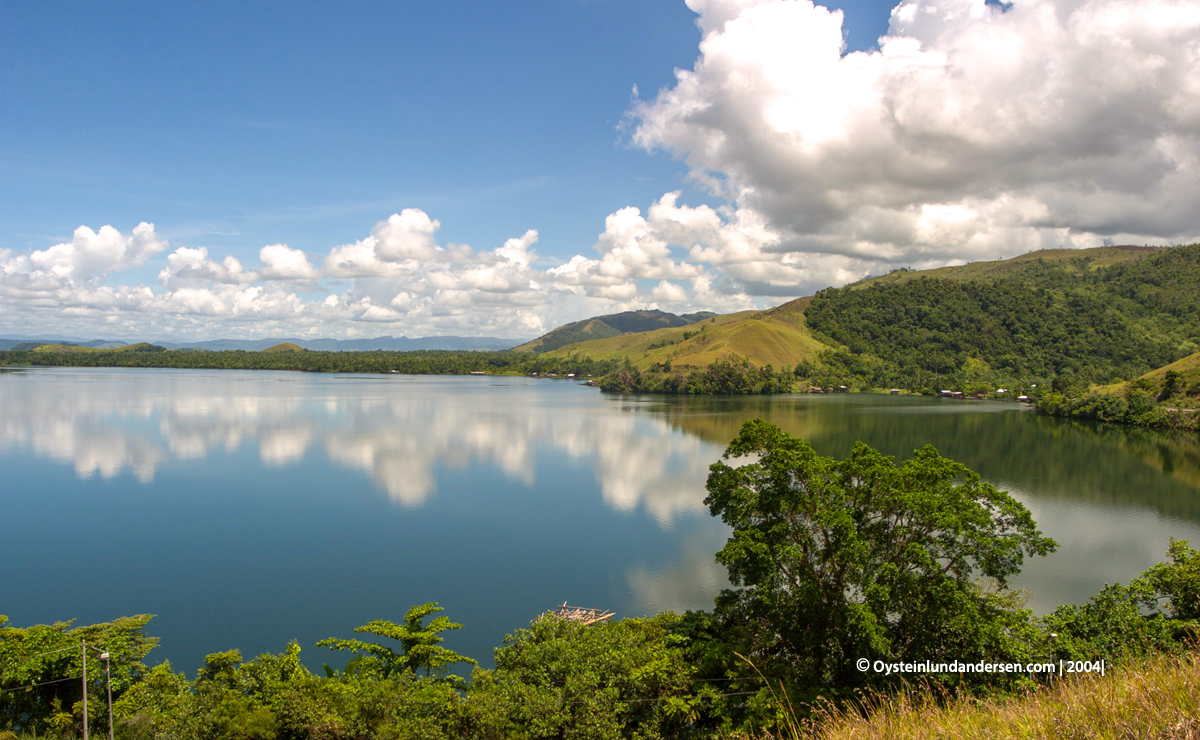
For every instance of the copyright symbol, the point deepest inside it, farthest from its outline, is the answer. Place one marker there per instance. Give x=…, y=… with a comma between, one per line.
x=863, y=664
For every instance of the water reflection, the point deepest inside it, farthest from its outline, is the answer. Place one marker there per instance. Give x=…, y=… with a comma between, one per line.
x=273, y=505
x=398, y=431
x=1110, y=496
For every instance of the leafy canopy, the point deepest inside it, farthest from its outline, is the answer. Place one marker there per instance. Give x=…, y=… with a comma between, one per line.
x=836, y=560
x=421, y=648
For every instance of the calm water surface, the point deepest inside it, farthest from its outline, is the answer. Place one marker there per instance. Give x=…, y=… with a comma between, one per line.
x=250, y=508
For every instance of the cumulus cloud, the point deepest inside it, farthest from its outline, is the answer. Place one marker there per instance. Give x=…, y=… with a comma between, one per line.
x=396, y=246
x=279, y=262
x=973, y=131
x=91, y=253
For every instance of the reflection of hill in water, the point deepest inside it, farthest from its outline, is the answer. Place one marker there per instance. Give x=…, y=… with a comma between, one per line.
x=1010, y=446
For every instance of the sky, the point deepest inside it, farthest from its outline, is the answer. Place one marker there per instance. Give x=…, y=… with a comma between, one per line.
x=248, y=170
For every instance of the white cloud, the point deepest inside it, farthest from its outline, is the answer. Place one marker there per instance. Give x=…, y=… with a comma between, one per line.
x=91, y=253
x=972, y=132
x=399, y=280
x=281, y=262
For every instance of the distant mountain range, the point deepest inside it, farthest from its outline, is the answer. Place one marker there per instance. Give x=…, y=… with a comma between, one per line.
x=403, y=344
x=611, y=325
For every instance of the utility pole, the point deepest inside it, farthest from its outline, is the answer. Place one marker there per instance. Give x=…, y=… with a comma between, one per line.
x=83, y=649
x=108, y=688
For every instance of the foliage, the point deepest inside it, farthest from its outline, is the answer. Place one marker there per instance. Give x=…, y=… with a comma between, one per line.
x=563, y=679
x=1157, y=613
x=1134, y=406
x=423, y=362
x=275, y=696
x=420, y=643
x=727, y=376
x=47, y=653
x=840, y=560
x=1048, y=319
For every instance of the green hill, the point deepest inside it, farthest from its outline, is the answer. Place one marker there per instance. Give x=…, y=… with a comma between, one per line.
x=1025, y=264
x=1175, y=385
x=776, y=337
x=66, y=347
x=284, y=347
x=1091, y=315
x=60, y=348
x=1080, y=316
x=612, y=325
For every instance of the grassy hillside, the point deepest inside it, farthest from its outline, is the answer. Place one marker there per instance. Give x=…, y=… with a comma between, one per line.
x=284, y=347
x=611, y=325
x=1185, y=387
x=1183, y=390
x=777, y=337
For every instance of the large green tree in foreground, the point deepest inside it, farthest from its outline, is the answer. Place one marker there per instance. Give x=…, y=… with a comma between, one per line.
x=838, y=560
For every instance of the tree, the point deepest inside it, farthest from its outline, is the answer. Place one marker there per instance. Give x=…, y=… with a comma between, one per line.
x=834, y=561
x=605, y=681
x=39, y=657
x=1172, y=384
x=420, y=643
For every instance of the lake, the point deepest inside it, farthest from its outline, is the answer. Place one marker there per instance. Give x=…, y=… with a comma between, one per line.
x=247, y=509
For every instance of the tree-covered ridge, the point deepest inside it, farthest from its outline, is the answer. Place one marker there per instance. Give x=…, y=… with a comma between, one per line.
x=419, y=362
x=1050, y=318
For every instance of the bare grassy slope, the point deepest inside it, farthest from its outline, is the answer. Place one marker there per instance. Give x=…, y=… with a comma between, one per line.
x=775, y=337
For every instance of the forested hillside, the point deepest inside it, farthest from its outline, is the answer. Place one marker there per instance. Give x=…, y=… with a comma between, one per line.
x=1084, y=319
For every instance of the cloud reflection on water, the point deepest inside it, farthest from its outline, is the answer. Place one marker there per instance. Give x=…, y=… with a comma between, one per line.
x=398, y=431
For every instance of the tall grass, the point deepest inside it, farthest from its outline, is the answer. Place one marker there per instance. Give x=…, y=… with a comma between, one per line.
x=1158, y=699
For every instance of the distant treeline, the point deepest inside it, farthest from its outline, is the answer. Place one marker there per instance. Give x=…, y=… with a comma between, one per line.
x=421, y=362
x=735, y=376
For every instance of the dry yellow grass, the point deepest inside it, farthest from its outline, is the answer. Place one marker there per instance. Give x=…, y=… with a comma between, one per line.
x=776, y=337
x=1157, y=700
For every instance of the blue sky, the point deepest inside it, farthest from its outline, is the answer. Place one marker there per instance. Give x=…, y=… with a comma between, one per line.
x=233, y=126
